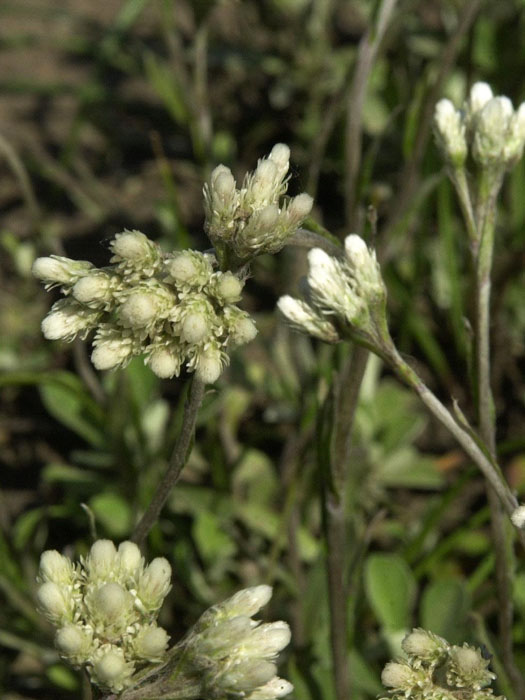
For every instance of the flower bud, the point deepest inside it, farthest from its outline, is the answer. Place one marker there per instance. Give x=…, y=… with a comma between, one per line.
x=303, y=318
x=243, y=330
x=154, y=584
x=55, y=602
x=112, y=671
x=468, y=669
x=164, y=362
x=129, y=558
x=300, y=206
x=195, y=328
x=93, y=288
x=267, y=218
x=139, y=310
x=518, y=517
x=480, y=94
x=101, y=560
x=398, y=676
x=275, y=688
x=228, y=287
x=111, y=352
x=450, y=132
x=134, y=248
x=329, y=286
x=247, y=602
x=73, y=641
x=280, y=155
x=513, y=148
x=224, y=185
x=56, y=269
x=220, y=637
x=424, y=645
x=209, y=365
x=151, y=643
x=111, y=602
x=190, y=268
x=67, y=319
x=56, y=568
x=264, y=188
x=248, y=675
x=267, y=640
x=492, y=131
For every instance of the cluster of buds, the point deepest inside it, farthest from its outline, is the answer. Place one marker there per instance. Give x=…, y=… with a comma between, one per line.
x=488, y=127
x=174, y=308
x=235, y=654
x=226, y=654
x=344, y=298
x=436, y=669
x=105, y=608
x=252, y=220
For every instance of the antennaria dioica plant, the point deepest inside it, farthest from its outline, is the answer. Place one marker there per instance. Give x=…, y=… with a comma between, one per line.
x=303, y=453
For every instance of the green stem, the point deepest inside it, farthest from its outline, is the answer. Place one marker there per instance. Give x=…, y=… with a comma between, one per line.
x=459, y=179
x=345, y=404
x=502, y=538
x=489, y=469
x=177, y=463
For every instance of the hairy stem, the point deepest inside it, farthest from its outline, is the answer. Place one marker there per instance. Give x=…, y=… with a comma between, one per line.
x=345, y=404
x=177, y=462
x=489, y=468
x=486, y=416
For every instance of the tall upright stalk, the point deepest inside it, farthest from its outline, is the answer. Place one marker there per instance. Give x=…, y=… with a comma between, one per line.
x=501, y=536
x=346, y=397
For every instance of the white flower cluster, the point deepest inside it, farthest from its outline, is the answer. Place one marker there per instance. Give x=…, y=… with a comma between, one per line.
x=105, y=609
x=233, y=654
x=488, y=126
x=251, y=220
x=174, y=308
x=341, y=296
x=435, y=669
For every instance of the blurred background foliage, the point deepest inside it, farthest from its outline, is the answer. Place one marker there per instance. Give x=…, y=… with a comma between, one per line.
x=111, y=116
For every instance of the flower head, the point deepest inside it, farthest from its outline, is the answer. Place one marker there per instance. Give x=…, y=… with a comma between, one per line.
x=252, y=219
x=488, y=127
x=344, y=297
x=436, y=670
x=174, y=309
x=104, y=609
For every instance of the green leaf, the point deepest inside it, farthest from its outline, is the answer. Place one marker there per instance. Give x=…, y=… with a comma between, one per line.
x=164, y=82
x=363, y=676
x=113, y=512
x=211, y=540
x=390, y=588
x=66, y=474
x=67, y=406
x=25, y=527
x=62, y=677
x=444, y=607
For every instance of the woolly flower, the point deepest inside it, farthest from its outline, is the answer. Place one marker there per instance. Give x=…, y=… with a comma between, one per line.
x=235, y=654
x=104, y=609
x=343, y=297
x=450, y=131
x=488, y=126
x=434, y=670
x=172, y=308
x=252, y=220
